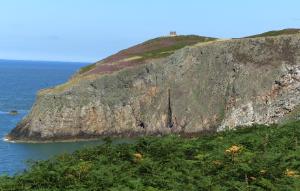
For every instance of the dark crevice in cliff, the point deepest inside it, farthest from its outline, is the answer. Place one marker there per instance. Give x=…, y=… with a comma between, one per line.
x=142, y=124
x=93, y=85
x=170, y=123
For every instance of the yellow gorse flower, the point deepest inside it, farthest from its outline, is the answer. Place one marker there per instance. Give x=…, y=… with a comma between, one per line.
x=138, y=156
x=233, y=149
x=291, y=173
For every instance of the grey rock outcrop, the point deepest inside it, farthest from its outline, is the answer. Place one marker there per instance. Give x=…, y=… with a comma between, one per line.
x=205, y=87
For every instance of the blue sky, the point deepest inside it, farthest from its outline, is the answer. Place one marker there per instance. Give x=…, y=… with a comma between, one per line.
x=88, y=30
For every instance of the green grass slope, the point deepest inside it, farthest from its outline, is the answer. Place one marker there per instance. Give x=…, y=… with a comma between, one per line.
x=256, y=158
x=277, y=33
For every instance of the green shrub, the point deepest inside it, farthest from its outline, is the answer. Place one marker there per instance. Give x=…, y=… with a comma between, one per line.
x=253, y=158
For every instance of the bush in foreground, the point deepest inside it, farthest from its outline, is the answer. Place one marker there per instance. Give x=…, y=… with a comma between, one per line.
x=256, y=158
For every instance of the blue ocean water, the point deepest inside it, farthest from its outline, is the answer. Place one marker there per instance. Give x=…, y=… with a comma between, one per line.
x=19, y=83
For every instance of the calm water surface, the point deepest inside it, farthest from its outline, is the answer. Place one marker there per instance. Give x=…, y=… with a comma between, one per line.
x=19, y=82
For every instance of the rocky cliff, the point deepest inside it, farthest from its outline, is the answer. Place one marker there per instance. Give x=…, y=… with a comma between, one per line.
x=181, y=85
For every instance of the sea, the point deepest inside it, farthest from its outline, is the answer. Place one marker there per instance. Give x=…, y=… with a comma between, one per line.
x=19, y=83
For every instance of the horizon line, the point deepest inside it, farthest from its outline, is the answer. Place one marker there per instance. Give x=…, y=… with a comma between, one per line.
x=33, y=60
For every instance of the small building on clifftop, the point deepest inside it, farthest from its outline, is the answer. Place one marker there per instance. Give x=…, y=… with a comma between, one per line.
x=173, y=33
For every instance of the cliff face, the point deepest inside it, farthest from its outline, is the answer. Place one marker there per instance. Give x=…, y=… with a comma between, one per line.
x=207, y=86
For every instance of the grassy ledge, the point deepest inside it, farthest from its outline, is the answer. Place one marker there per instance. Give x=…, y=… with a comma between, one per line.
x=86, y=68
x=254, y=158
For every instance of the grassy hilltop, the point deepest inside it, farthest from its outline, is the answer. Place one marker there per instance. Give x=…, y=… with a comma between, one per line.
x=256, y=158
x=152, y=49
x=158, y=48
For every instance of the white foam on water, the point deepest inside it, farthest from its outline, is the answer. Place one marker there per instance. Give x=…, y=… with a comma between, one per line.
x=3, y=112
x=7, y=140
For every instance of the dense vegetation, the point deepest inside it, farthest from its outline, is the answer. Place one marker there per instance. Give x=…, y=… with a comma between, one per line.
x=256, y=158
